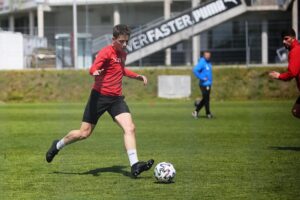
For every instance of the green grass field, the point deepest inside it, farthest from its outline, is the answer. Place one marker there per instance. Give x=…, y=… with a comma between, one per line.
x=251, y=150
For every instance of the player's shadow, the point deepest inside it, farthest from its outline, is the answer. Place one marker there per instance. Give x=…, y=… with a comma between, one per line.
x=285, y=148
x=98, y=171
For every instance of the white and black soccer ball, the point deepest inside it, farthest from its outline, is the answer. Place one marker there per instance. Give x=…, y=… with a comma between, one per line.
x=164, y=172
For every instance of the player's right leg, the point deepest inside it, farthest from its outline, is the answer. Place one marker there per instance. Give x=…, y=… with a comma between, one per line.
x=141, y=166
x=198, y=104
x=206, y=97
x=84, y=132
x=124, y=120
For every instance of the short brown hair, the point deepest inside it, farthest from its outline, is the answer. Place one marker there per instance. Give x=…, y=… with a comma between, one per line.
x=121, y=29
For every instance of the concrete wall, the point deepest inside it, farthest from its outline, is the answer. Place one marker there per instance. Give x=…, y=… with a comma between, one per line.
x=11, y=50
x=171, y=86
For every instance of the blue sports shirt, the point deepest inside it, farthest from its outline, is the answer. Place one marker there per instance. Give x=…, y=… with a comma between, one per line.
x=203, y=71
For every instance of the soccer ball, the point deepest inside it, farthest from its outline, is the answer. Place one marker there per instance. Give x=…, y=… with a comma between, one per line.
x=164, y=172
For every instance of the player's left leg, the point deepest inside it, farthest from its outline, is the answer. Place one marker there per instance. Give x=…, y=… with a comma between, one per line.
x=296, y=108
x=124, y=120
x=207, y=102
x=84, y=132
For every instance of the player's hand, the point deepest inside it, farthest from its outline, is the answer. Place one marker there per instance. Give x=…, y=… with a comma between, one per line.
x=274, y=74
x=97, y=72
x=143, y=78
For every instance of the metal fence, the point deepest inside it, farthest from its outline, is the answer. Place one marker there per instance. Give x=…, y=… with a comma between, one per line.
x=235, y=42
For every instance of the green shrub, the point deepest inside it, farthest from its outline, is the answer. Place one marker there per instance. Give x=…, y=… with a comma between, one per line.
x=75, y=85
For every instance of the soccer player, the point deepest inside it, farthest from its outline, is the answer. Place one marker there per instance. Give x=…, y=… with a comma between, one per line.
x=106, y=95
x=203, y=71
x=291, y=43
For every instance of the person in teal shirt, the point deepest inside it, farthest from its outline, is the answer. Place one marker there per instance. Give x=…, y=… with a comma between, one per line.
x=203, y=72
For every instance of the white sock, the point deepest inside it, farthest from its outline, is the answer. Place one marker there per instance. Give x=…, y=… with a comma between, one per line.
x=60, y=144
x=132, y=155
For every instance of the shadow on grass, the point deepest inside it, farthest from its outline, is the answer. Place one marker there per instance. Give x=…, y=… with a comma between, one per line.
x=163, y=183
x=98, y=171
x=286, y=148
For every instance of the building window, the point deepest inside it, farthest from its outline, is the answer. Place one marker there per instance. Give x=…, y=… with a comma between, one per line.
x=105, y=19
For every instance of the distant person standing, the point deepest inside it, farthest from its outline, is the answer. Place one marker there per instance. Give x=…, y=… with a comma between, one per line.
x=291, y=43
x=203, y=71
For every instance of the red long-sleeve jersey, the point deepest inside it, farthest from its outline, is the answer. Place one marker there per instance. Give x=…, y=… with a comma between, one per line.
x=294, y=64
x=112, y=62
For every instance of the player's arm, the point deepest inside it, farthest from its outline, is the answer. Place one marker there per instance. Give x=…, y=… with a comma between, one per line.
x=293, y=69
x=198, y=71
x=97, y=66
x=134, y=75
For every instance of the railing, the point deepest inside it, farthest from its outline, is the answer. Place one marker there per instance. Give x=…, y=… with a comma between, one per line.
x=31, y=44
x=279, y=3
x=227, y=46
x=153, y=23
x=101, y=42
x=104, y=40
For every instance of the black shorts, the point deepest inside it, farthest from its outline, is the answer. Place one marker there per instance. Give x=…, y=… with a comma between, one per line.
x=298, y=100
x=98, y=104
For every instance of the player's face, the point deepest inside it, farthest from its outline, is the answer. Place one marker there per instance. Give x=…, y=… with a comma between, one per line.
x=207, y=55
x=120, y=42
x=287, y=41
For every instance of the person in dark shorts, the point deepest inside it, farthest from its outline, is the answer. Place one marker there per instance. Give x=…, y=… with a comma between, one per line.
x=108, y=70
x=291, y=43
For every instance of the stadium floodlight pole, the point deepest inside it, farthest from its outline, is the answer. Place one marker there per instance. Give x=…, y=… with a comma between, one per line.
x=75, y=41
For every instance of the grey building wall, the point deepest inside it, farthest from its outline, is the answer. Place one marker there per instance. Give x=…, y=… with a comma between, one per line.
x=226, y=41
